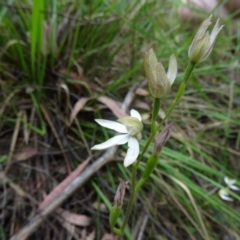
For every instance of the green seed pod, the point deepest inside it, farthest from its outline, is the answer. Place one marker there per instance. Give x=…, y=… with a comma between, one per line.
x=151, y=164
x=113, y=217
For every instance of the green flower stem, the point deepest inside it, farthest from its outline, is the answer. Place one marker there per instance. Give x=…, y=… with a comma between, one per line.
x=154, y=130
x=180, y=92
x=188, y=71
x=150, y=165
x=156, y=107
x=131, y=200
x=114, y=214
x=116, y=231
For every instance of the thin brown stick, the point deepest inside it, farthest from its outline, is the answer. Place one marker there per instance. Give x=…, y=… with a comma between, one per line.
x=21, y=192
x=14, y=141
x=40, y=216
x=55, y=133
x=61, y=186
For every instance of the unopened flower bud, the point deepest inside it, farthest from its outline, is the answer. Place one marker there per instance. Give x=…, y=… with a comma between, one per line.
x=151, y=164
x=117, y=206
x=162, y=138
x=152, y=161
x=159, y=82
x=203, y=43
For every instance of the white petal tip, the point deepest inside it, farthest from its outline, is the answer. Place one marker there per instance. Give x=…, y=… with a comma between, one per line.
x=225, y=198
x=235, y=188
x=128, y=163
x=172, y=69
x=132, y=153
x=136, y=114
x=229, y=181
x=95, y=148
x=223, y=194
x=116, y=126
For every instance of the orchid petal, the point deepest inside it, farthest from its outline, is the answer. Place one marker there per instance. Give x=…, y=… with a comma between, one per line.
x=117, y=140
x=132, y=153
x=118, y=127
x=224, y=195
x=135, y=114
x=152, y=59
x=233, y=187
x=203, y=28
x=215, y=32
x=172, y=69
x=229, y=181
x=124, y=139
x=163, y=84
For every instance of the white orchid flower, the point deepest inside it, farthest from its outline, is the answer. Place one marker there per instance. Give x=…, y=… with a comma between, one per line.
x=129, y=126
x=230, y=183
x=223, y=193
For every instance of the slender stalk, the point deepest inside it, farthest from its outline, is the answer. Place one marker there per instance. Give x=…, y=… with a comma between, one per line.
x=156, y=107
x=154, y=130
x=131, y=200
x=180, y=93
x=188, y=71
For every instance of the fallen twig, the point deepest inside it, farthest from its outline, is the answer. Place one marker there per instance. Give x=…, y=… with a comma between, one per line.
x=61, y=186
